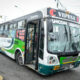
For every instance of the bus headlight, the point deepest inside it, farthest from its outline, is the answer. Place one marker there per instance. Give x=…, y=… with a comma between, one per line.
x=51, y=60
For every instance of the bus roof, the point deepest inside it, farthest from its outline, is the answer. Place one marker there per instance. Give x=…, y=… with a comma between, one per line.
x=29, y=17
x=48, y=12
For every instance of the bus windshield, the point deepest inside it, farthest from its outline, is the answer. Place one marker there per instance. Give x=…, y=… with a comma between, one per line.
x=63, y=36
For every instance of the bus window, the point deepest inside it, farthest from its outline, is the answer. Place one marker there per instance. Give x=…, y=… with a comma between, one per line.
x=6, y=27
x=15, y=26
x=0, y=30
x=24, y=23
x=1, y=27
x=11, y=26
x=21, y=24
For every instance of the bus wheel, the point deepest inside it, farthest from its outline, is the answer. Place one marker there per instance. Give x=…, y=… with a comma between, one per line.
x=19, y=58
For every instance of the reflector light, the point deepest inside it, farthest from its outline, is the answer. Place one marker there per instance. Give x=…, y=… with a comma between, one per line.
x=56, y=67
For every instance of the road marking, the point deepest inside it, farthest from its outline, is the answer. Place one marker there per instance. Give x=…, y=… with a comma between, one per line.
x=1, y=78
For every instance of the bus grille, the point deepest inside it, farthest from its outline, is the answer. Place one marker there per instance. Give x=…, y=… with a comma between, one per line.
x=70, y=58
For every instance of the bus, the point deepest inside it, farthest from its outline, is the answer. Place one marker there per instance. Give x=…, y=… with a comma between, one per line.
x=47, y=41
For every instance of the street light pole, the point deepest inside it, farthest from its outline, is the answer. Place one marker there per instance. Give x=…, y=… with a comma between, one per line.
x=59, y=3
x=3, y=18
x=20, y=8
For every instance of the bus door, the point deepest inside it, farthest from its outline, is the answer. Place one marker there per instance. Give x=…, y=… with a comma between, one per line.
x=32, y=42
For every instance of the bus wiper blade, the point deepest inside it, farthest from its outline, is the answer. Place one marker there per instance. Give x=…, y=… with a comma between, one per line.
x=66, y=37
x=74, y=47
x=66, y=33
x=76, y=35
x=64, y=48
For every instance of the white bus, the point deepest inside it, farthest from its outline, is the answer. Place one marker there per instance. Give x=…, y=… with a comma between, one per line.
x=47, y=41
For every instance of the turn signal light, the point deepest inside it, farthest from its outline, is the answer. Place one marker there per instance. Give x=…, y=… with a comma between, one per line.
x=56, y=67
x=23, y=47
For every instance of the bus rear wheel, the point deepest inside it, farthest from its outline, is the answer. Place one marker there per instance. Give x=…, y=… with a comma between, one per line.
x=19, y=58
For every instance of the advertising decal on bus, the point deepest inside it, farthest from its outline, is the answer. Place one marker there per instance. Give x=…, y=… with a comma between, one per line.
x=62, y=14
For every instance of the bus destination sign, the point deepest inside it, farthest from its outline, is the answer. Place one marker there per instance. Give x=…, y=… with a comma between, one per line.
x=62, y=14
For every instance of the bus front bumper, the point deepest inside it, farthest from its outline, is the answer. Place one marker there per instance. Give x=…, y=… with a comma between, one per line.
x=46, y=70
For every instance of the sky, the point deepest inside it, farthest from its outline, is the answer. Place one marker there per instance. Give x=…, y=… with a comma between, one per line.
x=9, y=10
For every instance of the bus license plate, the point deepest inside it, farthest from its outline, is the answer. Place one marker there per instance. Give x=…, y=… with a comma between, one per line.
x=67, y=66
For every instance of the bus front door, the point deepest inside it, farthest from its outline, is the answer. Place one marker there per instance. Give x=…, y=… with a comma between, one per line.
x=32, y=42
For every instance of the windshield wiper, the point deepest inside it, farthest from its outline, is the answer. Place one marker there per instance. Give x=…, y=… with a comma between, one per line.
x=66, y=37
x=76, y=35
x=74, y=47
x=66, y=32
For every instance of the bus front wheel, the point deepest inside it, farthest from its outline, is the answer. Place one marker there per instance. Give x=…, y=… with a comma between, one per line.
x=19, y=58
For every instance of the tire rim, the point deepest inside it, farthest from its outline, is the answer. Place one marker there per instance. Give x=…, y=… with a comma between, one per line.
x=20, y=60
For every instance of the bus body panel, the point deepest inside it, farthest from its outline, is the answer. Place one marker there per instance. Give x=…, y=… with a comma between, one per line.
x=10, y=45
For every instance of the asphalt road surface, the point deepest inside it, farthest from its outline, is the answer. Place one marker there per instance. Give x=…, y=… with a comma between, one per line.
x=11, y=71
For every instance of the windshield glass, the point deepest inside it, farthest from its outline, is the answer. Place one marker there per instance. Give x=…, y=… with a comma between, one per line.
x=75, y=36
x=63, y=36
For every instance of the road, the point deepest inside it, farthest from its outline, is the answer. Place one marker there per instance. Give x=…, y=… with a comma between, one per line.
x=12, y=71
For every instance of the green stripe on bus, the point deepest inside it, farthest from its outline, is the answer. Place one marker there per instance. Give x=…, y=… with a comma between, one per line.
x=17, y=44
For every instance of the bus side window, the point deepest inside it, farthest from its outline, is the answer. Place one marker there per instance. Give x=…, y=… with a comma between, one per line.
x=21, y=24
x=6, y=27
x=0, y=27
x=15, y=26
x=11, y=26
x=3, y=27
x=24, y=23
x=41, y=49
x=1, y=31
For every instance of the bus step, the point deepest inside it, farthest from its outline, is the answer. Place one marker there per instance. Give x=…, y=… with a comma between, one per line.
x=30, y=66
x=34, y=62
